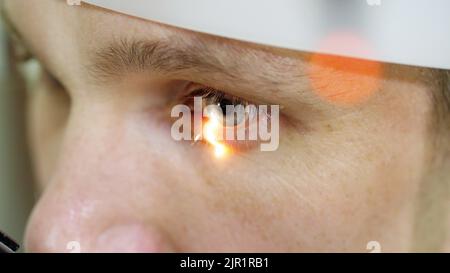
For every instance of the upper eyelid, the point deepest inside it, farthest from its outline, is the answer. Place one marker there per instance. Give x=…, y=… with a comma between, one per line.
x=241, y=93
x=183, y=58
x=218, y=94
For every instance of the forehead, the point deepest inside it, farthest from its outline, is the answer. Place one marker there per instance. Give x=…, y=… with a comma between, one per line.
x=48, y=24
x=58, y=33
x=57, y=22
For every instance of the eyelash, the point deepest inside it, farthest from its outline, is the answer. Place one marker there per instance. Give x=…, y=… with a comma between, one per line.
x=218, y=97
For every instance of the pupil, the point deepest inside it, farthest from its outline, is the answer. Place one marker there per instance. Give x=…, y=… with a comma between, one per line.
x=223, y=105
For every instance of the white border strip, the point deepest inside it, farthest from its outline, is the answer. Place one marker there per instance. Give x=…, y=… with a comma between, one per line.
x=412, y=32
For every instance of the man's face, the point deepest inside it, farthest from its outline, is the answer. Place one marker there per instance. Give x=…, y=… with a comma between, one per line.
x=113, y=178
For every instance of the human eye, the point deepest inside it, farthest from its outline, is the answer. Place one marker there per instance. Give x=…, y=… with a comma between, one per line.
x=230, y=123
x=234, y=111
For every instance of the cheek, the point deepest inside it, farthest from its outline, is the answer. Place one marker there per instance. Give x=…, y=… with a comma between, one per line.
x=344, y=183
x=354, y=179
x=297, y=199
x=330, y=189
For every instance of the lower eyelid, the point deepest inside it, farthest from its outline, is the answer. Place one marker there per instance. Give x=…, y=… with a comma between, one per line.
x=211, y=95
x=247, y=144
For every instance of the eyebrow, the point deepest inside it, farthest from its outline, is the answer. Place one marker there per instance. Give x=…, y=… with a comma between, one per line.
x=164, y=56
x=128, y=56
x=185, y=56
x=194, y=56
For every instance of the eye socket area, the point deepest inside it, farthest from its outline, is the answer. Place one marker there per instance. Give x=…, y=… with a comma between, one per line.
x=232, y=111
x=220, y=105
x=235, y=120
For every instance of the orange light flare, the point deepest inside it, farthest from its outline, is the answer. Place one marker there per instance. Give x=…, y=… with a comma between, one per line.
x=212, y=133
x=343, y=80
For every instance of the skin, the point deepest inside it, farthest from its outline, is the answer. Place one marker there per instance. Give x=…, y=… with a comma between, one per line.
x=110, y=176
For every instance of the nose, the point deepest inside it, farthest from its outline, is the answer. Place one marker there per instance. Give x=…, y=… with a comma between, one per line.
x=101, y=198
x=132, y=238
x=59, y=230
x=80, y=218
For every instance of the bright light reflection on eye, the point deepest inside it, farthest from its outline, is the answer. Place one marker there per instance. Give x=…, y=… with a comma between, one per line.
x=212, y=131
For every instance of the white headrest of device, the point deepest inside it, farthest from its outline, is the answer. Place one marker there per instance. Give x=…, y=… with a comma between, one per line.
x=411, y=32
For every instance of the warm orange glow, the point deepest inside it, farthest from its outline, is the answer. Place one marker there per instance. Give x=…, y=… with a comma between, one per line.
x=341, y=80
x=211, y=132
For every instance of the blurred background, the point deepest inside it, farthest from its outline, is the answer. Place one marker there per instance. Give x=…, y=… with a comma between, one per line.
x=16, y=196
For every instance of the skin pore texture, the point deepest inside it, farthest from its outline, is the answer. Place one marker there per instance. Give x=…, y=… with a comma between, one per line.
x=110, y=176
